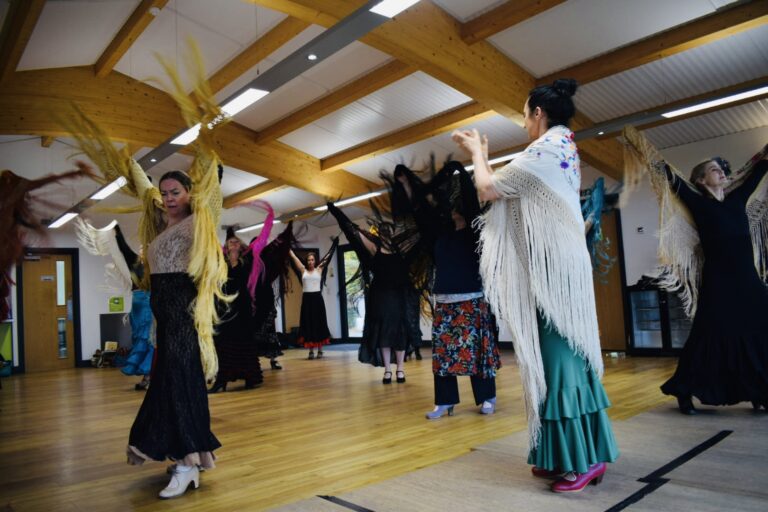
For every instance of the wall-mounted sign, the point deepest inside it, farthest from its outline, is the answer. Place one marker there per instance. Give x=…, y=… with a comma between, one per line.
x=116, y=305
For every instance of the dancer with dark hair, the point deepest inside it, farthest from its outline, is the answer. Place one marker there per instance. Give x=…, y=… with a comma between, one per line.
x=537, y=276
x=276, y=258
x=714, y=251
x=464, y=334
x=313, y=320
x=391, y=298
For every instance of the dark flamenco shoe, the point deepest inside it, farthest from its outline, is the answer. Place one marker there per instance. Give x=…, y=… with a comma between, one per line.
x=685, y=404
x=141, y=386
x=594, y=476
x=545, y=473
x=311, y=355
x=387, y=380
x=400, y=379
x=319, y=354
x=418, y=355
x=218, y=386
x=755, y=405
x=275, y=365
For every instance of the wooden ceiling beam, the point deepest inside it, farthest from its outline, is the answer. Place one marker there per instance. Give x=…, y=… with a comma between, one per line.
x=134, y=26
x=341, y=97
x=20, y=21
x=503, y=17
x=137, y=113
x=441, y=123
x=718, y=25
x=256, y=52
x=252, y=193
x=429, y=39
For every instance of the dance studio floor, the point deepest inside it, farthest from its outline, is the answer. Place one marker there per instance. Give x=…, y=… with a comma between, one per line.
x=327, y=435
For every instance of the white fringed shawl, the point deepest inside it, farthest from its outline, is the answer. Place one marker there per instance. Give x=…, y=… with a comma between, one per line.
x=534, y=255
x=680, y=254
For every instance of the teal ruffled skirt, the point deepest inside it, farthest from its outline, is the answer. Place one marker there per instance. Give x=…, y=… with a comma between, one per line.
x=576, y=432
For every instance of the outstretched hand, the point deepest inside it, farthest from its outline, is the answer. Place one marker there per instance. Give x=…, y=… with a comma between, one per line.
x=471, y=142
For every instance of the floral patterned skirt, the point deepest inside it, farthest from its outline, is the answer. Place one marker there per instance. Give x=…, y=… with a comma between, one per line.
x=464, y=339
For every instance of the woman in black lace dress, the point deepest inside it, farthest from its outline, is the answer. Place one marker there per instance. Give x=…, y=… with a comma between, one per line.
x=174, y=421
x=725, y=360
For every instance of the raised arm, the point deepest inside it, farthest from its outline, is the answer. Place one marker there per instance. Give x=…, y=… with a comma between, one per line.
x=476, y=147
x=298, y=265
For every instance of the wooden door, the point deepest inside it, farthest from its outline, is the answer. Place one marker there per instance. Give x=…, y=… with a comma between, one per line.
x=48, y=301
x=609, y=296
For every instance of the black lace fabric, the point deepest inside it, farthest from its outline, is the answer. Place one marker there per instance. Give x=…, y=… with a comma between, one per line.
x=173, y=421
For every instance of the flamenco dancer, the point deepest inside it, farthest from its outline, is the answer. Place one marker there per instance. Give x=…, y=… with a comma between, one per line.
x=235, y=344
x=537, y=275
x=313, y=321
x=714, y=251
x=464, y=333
x=185, y=270
x=391, y=298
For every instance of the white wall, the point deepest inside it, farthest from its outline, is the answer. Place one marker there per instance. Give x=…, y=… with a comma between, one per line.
x=643, y=212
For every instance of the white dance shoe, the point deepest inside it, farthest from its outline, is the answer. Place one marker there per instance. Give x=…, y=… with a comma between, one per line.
x=180, y=482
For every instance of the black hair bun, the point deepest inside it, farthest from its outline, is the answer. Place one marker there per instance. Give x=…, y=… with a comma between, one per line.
x=565, y=86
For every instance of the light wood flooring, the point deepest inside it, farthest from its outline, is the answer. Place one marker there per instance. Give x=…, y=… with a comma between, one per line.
x=319, y=427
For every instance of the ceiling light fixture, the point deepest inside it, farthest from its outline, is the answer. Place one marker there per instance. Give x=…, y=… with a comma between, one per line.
x=312, y=56
x=107, y=190
x=717, y=102
x=255, y=226
x=63, y=219
x=243, y=101
x=350, y=200
x=494, y=161
x=391, y=8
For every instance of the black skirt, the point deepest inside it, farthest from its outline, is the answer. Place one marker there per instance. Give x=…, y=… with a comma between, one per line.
x=174, y=421
x=313, y=326
x=391, y=321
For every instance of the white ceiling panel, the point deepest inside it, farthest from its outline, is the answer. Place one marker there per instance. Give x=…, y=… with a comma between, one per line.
x=581, y=29
x=276, y=105
x=74, y=33
x=316, y=141
x=737, y=58
x=464, y=11
x=369, y=169
x=289, y=199
x=723, y=122
x=346, y=65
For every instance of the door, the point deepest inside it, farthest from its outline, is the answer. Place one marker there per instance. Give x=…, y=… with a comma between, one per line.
x=48, y=303
x=351, y=301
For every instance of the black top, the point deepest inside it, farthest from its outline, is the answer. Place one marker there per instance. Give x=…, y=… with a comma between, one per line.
x=457, y=263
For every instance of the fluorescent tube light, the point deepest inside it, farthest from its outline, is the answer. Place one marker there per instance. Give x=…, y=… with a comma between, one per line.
x=715, y=103
x=350, y=200
x=391, y=8
x=62, y=220
x=255, y=226
x=110, y=189
x=245, y=100
x=498, y=159
x=188, y=136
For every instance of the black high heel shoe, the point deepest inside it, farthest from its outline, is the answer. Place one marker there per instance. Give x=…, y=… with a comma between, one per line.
x=387, y=380
x=685, y=404
x=275, y=365
x=218, y=386
x=400, y=379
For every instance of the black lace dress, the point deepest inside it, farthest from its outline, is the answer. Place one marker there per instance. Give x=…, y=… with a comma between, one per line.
x=725, y=359
x=173, y=421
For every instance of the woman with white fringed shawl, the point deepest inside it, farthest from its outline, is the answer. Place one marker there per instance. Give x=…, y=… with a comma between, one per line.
x=537, y=276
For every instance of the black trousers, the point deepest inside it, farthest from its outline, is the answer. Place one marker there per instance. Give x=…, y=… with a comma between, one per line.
x=447, y=389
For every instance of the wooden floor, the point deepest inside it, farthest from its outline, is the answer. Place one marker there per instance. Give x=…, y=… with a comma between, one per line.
x=319, y=427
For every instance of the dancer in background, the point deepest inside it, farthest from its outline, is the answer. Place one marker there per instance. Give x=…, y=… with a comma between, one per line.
x=714, y=251
x=313, y=321
x=236, y=347
x=464, y=333
x=124, y=274
x=275, y=257
x=391, y=299
x=537, y=276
